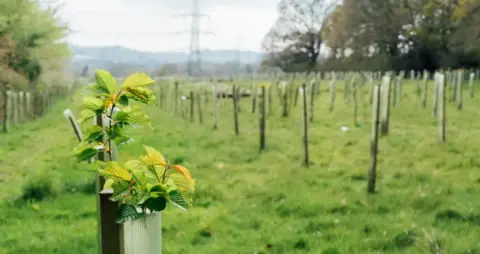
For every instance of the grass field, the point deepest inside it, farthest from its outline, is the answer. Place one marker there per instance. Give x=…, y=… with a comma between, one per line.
x=428, y=198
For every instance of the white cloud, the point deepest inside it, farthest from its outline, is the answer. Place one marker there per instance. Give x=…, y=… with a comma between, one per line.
x=147, y=24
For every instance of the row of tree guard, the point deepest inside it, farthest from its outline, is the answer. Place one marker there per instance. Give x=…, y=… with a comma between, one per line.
x=384, y=92
x=18, y=107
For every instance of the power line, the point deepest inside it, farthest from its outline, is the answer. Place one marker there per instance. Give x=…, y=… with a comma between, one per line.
x=194, y=64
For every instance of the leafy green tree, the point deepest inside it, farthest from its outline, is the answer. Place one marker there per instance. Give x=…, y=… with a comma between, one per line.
x=37, y=52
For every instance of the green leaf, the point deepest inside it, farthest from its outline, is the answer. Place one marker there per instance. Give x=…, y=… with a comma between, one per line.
x=156, y=204
x=177, y=199
x=128, y=212
x=185, y=185
x=115, y=131
x=140, y=94
x=105, y=81
x=123, y=100
x=97, y=90
x=120, y=189
x=93, y=104
x=96, y=166
x=121, y=117
x=135, y=164
x=139, y=177
x=85, y=151
x=94, y=134
x=153, y=157
x=115, y=171
x=137, y=80
x=121, y=140
x=139, y=118
x=85, y=115
x=108, y=184
x=157, y=189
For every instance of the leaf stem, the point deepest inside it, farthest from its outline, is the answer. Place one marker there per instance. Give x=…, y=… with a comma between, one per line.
x=167, y=167
x=114, y=103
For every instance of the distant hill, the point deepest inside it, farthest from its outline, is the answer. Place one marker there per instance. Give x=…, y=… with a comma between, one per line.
x=105, y=57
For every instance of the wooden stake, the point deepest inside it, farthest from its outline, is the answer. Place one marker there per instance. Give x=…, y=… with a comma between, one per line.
x=71, y=119
x=441, y=107
x=284, y=101
x=425, y=89
x=7, y=110
x=346, y=92
x=270, y=110
x=296, y=97
x=372, y=170
x=192, y=104
x=417, y=84
x=110, y=234
x=199, y=105
x=262, y=119
x=435, y=96
x=215, y=106
x=235, y=110
x=312, y=99
x=305, y=126
x=460, y=90
x=355, y=104
x=332, y=94
x=175, y=99
x=254, y=98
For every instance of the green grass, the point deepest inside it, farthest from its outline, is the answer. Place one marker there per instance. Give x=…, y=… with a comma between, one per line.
x=251, y=202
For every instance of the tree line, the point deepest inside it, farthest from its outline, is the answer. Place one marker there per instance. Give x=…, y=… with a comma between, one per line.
x=32, y=53
x=311, y=35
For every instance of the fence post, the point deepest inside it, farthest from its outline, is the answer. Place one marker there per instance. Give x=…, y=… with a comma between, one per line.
x=21, y=112
x=372, y=170
x=15, y=108
x=7, y=109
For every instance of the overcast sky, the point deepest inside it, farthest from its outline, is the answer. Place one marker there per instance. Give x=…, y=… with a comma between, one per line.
x=147, y=25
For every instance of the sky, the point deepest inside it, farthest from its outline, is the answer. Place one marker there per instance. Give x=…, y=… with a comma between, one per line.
x=157, y=25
